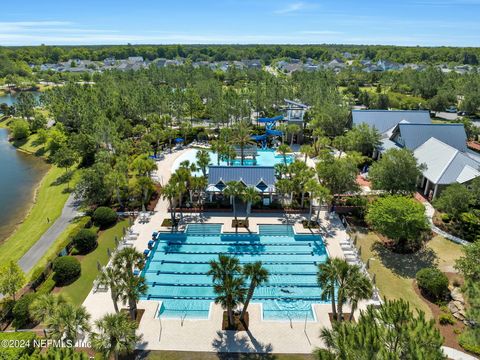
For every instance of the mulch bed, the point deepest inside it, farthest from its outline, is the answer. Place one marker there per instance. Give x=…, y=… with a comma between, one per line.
x=346, y=317
x=310, y=224
x=237, y=324
x=154, y=198
x=240, y=223
x=447, y=331
x=139, y=314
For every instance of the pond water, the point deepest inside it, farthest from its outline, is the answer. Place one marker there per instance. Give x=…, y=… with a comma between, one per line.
x=11, y=99
x=19, y=176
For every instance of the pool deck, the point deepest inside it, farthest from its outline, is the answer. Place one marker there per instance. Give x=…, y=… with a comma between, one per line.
x=206, y=335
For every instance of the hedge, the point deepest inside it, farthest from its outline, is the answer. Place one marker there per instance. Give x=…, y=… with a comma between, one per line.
x=21, y=311
x=66, y=270
x=433, y=282
x=85, y=240
x=104, y=217
x=17, y=352
x=47, y=286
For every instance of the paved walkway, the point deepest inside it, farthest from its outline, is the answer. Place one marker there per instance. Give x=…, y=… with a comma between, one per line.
x=455, y=354
x=430, y=212
x=35, y=253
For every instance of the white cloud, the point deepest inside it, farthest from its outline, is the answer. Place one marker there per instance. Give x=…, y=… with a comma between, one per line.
x=293, y=8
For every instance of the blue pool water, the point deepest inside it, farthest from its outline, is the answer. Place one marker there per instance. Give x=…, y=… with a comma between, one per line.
x=176, y=270
x=267, y=157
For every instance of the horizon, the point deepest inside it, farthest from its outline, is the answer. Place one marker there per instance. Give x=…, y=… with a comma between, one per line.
x=423, y=23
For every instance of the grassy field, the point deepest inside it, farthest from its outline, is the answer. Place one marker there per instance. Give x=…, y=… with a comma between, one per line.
x=395, y=273
x=50, y=199
x=186, y=355
x=78, y=291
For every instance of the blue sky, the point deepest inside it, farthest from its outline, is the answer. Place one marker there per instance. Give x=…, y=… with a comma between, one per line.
x=398, y=22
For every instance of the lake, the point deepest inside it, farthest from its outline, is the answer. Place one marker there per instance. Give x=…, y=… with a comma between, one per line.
x=19, y=176
x=11, y=99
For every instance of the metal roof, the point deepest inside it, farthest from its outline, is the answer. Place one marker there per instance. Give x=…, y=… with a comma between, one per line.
x=384, y=120
x=445, y=164
x=412, y=136
x=249, y=175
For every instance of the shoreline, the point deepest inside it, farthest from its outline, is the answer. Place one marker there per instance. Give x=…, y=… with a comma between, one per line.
x=12, y=227
x=47, y=201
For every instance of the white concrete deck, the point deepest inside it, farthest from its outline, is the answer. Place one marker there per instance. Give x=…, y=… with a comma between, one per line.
x=206, y=335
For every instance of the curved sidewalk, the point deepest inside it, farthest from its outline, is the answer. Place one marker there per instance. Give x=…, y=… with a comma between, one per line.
x=455, y=354
x=429, y=212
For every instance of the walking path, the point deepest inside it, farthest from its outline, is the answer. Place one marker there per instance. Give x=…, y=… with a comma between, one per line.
x=35, y=253
x=430, y=212
x=455, y=354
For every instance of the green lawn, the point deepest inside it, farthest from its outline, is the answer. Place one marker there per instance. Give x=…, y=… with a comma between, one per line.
x=50, y=199
x=78, y=291
x=395, y=272
x=186, y=355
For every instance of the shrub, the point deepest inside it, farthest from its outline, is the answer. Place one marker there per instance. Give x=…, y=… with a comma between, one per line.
x=433, y=282
x=67, y=269
x=444, y=308
x=104, y=216
x=47, y=286
x=446, y=319
x=85, y=240
x=17, y=352
x=445, y=218
x=468, y=341
x=21, y=312
x=20, y=129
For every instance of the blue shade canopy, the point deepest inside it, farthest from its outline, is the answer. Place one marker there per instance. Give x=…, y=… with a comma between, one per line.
x=178, y=140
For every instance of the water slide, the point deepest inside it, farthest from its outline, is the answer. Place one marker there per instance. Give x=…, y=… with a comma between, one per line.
x=270, y=124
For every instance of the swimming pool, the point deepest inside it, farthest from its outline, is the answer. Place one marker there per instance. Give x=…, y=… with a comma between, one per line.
x=176, y=270
x=267, y=157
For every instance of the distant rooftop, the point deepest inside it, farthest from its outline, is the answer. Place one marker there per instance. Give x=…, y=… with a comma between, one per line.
x=384, y=120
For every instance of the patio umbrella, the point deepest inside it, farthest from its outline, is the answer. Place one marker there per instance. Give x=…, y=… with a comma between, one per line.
x=178, y=140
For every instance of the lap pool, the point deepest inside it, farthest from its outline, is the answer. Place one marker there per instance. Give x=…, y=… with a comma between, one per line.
x=176, y=270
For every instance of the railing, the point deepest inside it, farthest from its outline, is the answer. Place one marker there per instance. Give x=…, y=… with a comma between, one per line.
x=376, y=294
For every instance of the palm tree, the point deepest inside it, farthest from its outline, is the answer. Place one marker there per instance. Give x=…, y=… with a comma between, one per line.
x=230, y=292
x=234, y=189
x=257, y=275
x=116, y=335
x=242, y=138
x=284, y=149
x=306, y=150
x=326, y=279
x=350, y=282
x=133, y=287
x=170, y=192
x=224, y=267
x=68, y=322
x=203, y=159
x=250, y=195
x=44, y=306
x=228, y=285
x=292, y=129
x=317, y=192
x=111, y=277
x=359, y=288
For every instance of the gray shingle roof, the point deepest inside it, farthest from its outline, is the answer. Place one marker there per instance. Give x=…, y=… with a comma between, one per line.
x=249, y=175
x=445, y=164
x=384, y=120
x=412, y=136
